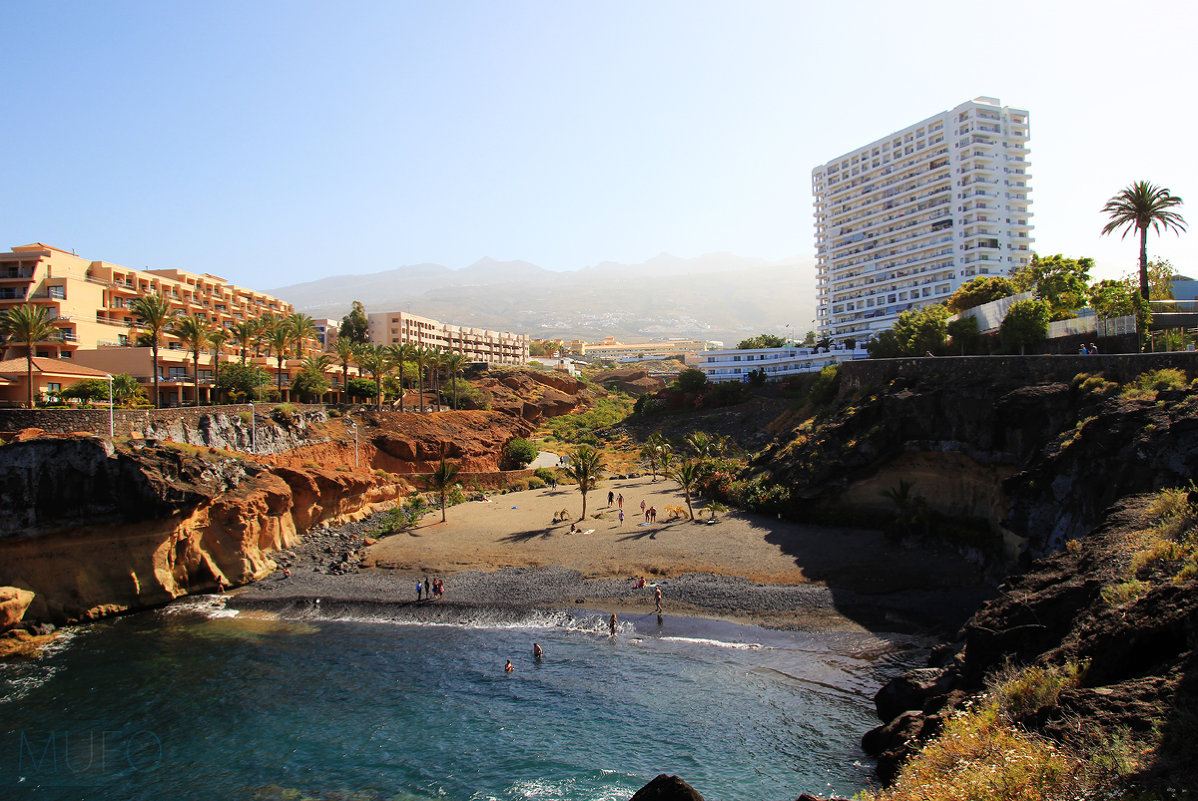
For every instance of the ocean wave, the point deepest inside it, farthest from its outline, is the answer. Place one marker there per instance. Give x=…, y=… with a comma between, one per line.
x=738, y=646
x=206, y=605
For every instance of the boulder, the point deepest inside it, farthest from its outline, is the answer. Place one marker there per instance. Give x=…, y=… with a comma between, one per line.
x=13, y=603
x=667, y=788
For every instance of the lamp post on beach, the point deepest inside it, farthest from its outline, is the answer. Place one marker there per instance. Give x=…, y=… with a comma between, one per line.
x=111, y=426
x=253, y=429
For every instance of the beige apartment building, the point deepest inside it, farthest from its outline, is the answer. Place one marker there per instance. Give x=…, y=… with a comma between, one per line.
x=478, y=344
x=90, y=302
x=610, y=348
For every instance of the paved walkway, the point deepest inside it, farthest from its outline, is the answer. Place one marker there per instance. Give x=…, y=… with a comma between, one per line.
x=544, y=459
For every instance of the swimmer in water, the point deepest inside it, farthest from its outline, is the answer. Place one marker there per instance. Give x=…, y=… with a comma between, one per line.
x=536, y=651
x=508, y=668
x=613, y=623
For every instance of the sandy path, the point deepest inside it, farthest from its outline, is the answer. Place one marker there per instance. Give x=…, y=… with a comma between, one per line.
x=516, y=530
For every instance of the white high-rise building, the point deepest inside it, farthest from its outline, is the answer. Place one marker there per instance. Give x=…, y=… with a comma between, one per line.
x=904, y=221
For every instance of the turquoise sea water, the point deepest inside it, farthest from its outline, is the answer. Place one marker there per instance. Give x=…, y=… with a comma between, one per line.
x=195, y=703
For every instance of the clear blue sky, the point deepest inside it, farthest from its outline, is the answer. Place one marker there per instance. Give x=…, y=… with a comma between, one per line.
x=277, y=142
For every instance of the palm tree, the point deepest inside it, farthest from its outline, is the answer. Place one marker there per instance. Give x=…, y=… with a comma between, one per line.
x=436, y=364
x=345, y=349
x=652, y=451
x=700, y=443
x=29, y=325
x=373, y=359
x=245, y=333
x=398, y=355
x=302, y=327
x=193, y=331
x=688, y=475
x=421, y=355
x=441, y=480
x=1139, y=207
x=585, y=467
x=278, y=340
x=454, y=363
x=313, y=366
x=154, y=313
x=264, y=326
x=217, y=339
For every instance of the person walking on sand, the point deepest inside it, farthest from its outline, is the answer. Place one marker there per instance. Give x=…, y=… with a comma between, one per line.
x=611, y=496
x=657, y=600
x=621, y=501
x=621, y=517
x=419, y=589
x=613, y=623
x=427, y=588
x=642, y=508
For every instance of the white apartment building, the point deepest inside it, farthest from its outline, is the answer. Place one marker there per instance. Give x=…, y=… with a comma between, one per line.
x=777, y=363
x=478, y=344
x=903, y=222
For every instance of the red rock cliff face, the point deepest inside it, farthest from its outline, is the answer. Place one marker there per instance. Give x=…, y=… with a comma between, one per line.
x=140, y=528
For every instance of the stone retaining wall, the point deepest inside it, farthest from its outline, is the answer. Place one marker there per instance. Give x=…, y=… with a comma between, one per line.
x=1119, y=367
x=125, y=421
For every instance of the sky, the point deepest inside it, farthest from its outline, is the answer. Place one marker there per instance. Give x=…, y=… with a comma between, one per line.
x=272, y=143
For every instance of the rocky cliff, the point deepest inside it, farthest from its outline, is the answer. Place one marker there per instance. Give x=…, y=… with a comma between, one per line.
x=93, y=530
x=1089, y=476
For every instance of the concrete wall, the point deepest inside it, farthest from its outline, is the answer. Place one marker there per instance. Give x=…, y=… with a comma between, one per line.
x=1010, y=369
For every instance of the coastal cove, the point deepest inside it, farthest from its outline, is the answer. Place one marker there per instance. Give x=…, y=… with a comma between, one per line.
x=197, y=700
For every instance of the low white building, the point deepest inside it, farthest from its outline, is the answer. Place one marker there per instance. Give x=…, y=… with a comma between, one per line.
x=778, y=363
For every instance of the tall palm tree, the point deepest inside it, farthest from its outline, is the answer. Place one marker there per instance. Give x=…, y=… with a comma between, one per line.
x=154, y=314
x=441, y=480
x=302, y=328
x=314, y=365
x=700, y=443
x=217, y=339
x=193, y=331
x=454, y=363
x=279, y=340
x=373, y=359
x=264, y=327
x=687, y=475
x=421, y=355
x=586, y=467
x=436, y=364
x=398, y=355
x=244, y=333
x=345, y=348
x=29, y=325
x=1139, y=207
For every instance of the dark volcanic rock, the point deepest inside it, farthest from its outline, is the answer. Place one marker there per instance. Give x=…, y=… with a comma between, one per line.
x=667, y=788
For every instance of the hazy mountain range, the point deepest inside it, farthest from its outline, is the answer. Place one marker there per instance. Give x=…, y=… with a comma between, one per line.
x=718, y=296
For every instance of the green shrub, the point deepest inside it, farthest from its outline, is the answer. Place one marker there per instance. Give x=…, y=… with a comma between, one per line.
x=535, y=483
x=246, y=417
x=282, y=413
x=1148, y=384
x=334, y=413
x=519, y=485
x=519, y=452
x=546, y=474
x=1124, y=592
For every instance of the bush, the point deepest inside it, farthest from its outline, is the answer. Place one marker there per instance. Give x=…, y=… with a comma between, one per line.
x=246, y=417
x=519, y=485
x=334, y=413
x=691, y=380
x=283, y=413
x=1148, y=384
x=519, y=452
x=535, y=483
x=546, y=474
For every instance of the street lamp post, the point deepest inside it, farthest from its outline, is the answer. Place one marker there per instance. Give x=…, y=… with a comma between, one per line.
x=253, y=429
x=111, y=425
x=355, y=430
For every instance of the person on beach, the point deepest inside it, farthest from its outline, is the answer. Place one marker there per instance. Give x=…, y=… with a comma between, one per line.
x=508, y=668
x=427, y=588
x=613, y=623
x=611, y=496
x=573, y=528
x=642, y=508
x=621, y=517
x=621, y=501
x=657, y=600
x=537, y=653
x=419, y=589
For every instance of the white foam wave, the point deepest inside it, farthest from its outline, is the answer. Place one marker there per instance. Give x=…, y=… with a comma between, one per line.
x=208, y=605
x=738, y=646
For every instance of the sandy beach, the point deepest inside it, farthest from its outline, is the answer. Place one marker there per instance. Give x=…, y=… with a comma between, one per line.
x=508, y=553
